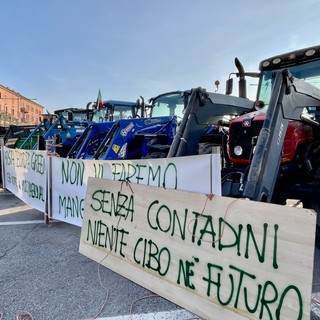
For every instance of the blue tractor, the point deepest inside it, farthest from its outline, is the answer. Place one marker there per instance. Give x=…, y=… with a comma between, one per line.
x=64, y=128
x=147, y=134
x=102, y=120
x=59, y=128
x=137, y=138
x=113, y=110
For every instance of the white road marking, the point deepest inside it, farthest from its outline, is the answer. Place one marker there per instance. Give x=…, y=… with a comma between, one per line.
x=14, y=209
x=11, y=223
x=165, y=315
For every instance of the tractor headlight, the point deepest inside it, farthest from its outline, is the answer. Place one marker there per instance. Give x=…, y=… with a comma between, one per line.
x=238, y=150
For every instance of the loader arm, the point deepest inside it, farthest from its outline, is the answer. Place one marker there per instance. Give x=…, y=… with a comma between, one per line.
x=204, y=109
x=288, y=99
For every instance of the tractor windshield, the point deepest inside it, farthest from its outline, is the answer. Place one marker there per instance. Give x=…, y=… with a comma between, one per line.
x=309, y=72
x=80, y=115
x=101, y=115
x=113, y=113
x=168, y=104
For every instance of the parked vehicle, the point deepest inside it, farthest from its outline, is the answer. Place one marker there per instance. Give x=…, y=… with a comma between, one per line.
x=134, y=130
x=113, y=110
x=15, y=135
x=101, y=121
x=138, y=138
x=271, y=147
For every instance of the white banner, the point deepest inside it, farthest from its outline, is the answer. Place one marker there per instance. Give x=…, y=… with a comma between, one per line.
x=25, y=173
x=69, y=179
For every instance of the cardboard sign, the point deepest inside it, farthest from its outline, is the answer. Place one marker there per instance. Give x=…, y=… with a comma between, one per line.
x=218, y=257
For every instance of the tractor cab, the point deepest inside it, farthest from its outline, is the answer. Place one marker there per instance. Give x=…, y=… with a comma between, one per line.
x=274, y=150
x=168, y=104
x=73, y=114
x=113, y=110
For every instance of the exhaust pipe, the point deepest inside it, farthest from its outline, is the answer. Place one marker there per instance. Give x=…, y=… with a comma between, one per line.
x=242, y=79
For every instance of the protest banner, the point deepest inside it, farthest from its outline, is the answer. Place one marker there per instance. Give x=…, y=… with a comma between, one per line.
x=69, y=179
x=218, y=257
x=25, y=175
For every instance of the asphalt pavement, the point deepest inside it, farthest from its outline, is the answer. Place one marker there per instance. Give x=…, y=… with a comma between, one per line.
x=44, y=277
x=43, y=274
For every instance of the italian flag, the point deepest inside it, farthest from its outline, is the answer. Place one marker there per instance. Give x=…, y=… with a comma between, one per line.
x=99, y=103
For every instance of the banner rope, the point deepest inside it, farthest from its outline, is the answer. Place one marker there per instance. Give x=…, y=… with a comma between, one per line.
x=23, y=315
x=151, y=296
x=104, y=258
x=210, y=197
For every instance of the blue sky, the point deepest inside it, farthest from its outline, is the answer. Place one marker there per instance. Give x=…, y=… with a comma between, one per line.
x=62, y=52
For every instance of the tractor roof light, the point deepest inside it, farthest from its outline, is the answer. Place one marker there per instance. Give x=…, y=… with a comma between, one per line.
x=276, y=60
x=292, y=56
x=310, y=52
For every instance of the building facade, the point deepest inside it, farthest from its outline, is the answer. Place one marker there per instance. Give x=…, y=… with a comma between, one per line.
x=17, y=109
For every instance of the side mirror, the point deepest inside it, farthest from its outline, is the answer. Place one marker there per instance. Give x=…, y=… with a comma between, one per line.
x=229, y=86
x=140, y=105
x=70, y=116
x=217, y=84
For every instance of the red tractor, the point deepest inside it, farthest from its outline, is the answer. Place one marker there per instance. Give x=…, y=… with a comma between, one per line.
x=274, y=150
x=271, y=147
